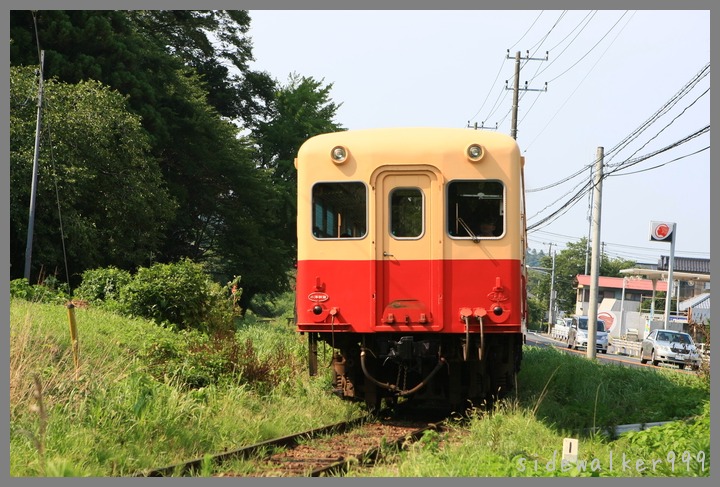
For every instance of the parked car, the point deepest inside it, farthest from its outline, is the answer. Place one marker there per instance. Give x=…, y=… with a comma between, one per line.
x=578, y=334
x=560, y=330
x=671, y=347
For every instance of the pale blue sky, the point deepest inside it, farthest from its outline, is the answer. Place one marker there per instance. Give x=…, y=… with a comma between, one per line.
x=608, y=73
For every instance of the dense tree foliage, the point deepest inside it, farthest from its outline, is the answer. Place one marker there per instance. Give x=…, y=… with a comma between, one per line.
x=216, y=159
x=302, y=108
x=98, y=179
x=568, y=264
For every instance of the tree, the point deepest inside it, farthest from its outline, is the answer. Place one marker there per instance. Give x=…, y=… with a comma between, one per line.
x=216, y=45
x=568, y=264
x=138, y=53
x=95, y=171
x=186, y=75
x=301, y=109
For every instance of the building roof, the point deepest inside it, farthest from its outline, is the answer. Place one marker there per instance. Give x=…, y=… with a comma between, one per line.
x=617, y=283
x=701, y=301
x=697, y=308
x=685, y=264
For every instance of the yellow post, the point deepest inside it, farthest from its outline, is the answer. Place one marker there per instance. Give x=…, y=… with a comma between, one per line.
x=73, y=336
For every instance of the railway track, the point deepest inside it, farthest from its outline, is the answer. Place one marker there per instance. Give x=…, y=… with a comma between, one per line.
x=325, y=451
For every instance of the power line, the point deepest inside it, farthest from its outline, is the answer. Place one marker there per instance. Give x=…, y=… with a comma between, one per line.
x=577, y=87
x=498, y=75
x=627, y=163
x=590, y=185
x=591, y=49
x=661, y=111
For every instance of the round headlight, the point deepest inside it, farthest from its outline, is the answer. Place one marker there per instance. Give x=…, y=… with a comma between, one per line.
x=339, y=154
x=475, y=152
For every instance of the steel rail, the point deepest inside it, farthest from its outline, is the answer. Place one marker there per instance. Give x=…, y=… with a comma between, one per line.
x=185, y=468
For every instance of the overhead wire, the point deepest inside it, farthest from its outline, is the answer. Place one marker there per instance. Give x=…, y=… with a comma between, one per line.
x=669, y=104
x=589, y=185
x=577, y=87
x=498, y=74
x=667, y=125
x=591, y=49
x=663, y=164
x=660, y=112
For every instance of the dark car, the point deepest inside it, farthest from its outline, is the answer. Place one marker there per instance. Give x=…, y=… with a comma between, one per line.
x=671, y=347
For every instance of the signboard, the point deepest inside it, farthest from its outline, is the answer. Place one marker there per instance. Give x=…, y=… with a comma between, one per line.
x=609, y=318
x=662, y=231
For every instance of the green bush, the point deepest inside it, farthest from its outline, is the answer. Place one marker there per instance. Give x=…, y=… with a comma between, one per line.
x=103, y=285
x=50, y=291
x=180, y=295
x=192, y=360
x=21, y=289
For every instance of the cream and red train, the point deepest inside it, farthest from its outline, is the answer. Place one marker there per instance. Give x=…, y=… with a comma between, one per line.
x=411, y=262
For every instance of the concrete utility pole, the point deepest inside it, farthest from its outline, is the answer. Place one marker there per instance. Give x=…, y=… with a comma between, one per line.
x=33, y=186
x=589, y=218
x=595, y=261
x=516, y=87
x=551, y=314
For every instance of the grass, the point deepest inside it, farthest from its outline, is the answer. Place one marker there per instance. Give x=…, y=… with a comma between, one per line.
x=144, y=396
x=565, y=396
x=134, y=403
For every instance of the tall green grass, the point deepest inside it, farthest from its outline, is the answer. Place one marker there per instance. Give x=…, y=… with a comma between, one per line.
x=566, y=396
x=145, y=396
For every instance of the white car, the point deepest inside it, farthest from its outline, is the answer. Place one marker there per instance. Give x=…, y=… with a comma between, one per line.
x=578, y=334
x=672, y=347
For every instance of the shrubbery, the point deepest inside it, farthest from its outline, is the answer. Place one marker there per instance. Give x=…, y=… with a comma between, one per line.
x=50, y=291
x=193, y=360
x=179, y=295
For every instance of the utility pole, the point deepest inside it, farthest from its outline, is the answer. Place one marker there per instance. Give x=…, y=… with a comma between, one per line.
x=595, y=261
x=589, y=218
x=516, y=87
x=551, y=314
x=33, y=187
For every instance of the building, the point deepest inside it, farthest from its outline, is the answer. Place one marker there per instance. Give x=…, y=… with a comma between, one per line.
x=620, y=298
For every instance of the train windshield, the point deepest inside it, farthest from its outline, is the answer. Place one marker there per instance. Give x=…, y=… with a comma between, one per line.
x=339, y=210
x=475, y=209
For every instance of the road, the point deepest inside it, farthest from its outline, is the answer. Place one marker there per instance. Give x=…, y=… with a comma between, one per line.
x=542, y=340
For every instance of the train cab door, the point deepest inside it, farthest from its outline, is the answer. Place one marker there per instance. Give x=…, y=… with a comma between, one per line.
x=408, y=250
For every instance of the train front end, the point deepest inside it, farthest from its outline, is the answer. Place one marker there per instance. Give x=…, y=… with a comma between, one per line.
x=411, y=248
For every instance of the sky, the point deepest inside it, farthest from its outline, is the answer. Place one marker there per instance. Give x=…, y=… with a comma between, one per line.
x=632, y=82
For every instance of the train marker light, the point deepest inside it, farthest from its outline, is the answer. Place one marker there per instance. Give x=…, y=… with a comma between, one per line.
x=475, y=152
x=339, y=154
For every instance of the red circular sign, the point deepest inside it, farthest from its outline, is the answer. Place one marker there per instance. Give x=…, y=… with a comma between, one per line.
x=608, y=318
x=661, y=231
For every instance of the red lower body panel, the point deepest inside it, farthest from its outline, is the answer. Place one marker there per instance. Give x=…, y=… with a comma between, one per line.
x=410, y=296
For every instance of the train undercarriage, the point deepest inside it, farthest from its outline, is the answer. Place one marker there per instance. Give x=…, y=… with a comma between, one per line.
x=438, y=371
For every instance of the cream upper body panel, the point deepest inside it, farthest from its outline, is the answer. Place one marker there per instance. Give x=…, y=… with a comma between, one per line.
x=440, y=153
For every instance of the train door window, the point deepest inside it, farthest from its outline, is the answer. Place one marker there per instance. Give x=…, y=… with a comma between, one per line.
x=406, y=213
x=339, y=210
x=475, y=209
